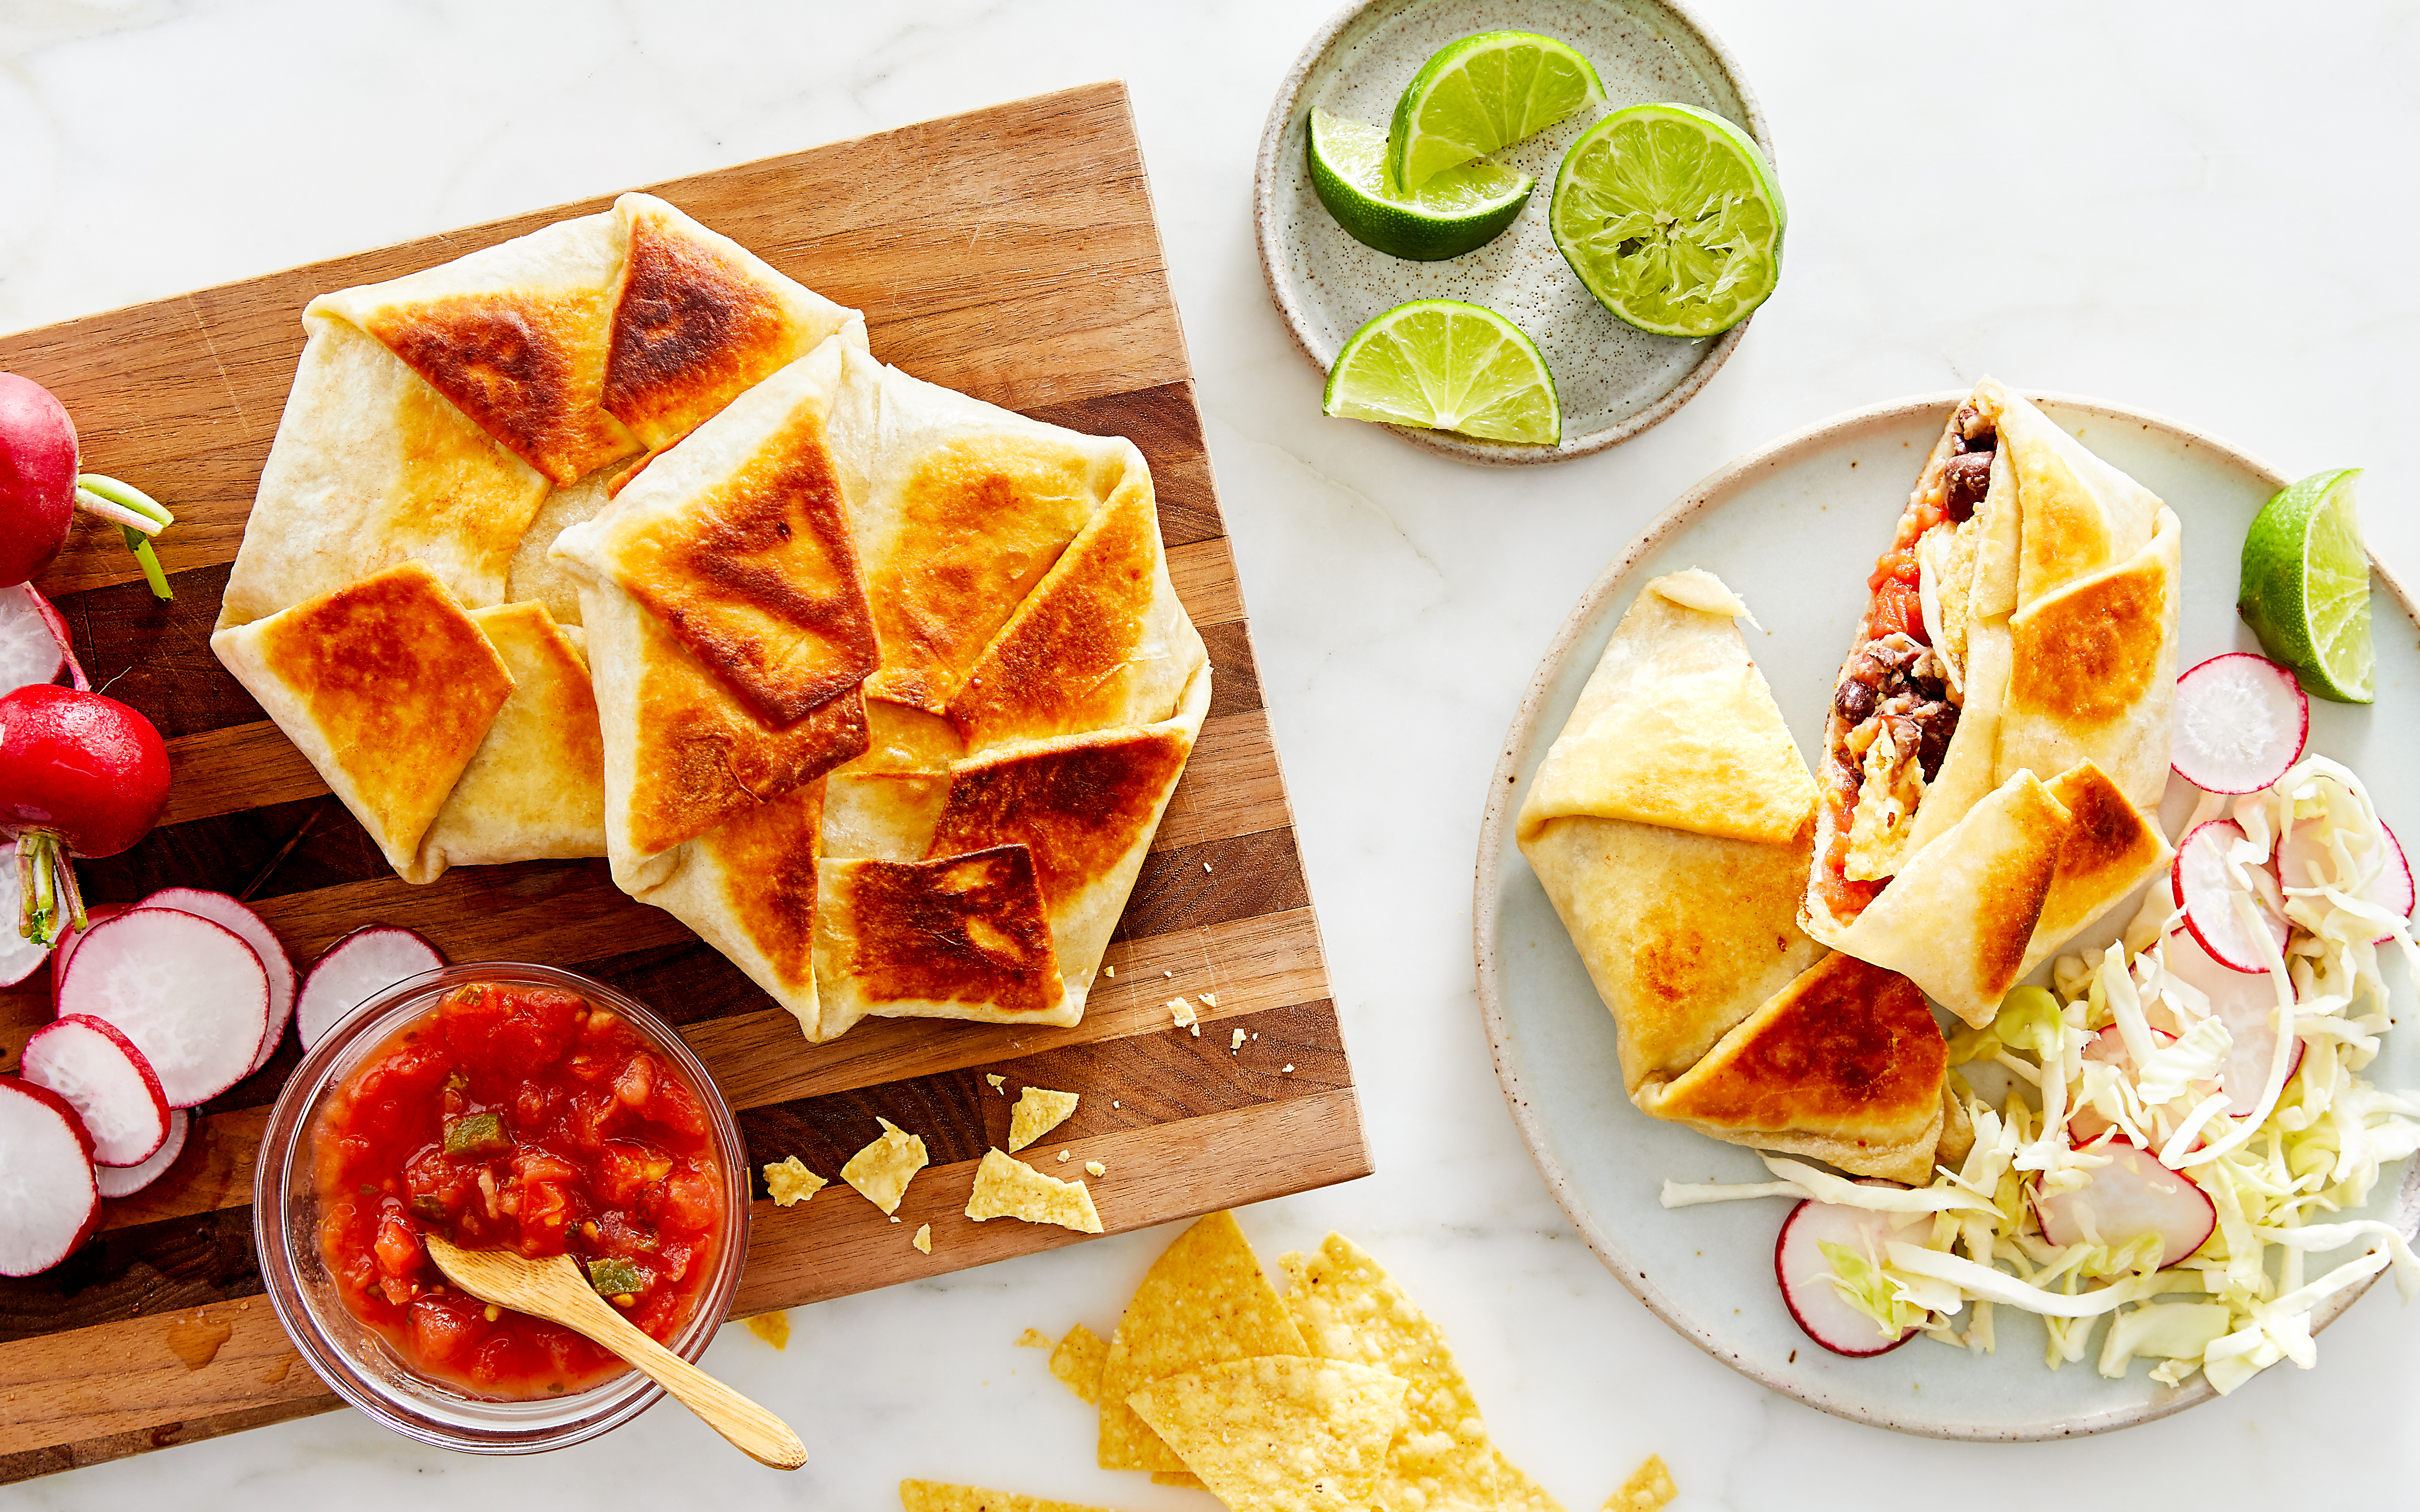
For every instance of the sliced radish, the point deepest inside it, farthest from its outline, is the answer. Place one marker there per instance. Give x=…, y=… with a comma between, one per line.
x=114, y=1182
x=2246, y=1003
x=2241, y=720
x=2132, y=1196
x=33, y=640
x=1805, y=1272
x=20, y=957
x=2303, y=861
x=190, y=994
x=49, y=1202
x=2206, y=891
x=2086, y=1124
x=107, y=1081
x=66, y=945
x=221, y=909
x=354, y=970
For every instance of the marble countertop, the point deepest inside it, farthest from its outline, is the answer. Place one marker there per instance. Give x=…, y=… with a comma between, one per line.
x=2200, y=210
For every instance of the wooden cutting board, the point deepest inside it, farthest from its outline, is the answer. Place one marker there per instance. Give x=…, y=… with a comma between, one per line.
x=1010, y=252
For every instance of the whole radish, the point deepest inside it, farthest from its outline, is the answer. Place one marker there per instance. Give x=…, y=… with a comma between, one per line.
x=80, y=775
x=41, y=490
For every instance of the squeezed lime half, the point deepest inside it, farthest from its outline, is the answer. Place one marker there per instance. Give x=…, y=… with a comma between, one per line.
x=1480, y=94
x=1458, y=210
x=1670, y=214
x=2305, y=585
x=1443, y=365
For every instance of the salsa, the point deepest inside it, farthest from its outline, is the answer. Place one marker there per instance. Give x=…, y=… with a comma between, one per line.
x=522, y=1118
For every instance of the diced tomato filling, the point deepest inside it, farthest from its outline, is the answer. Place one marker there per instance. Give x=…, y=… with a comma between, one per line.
x=523, y=1118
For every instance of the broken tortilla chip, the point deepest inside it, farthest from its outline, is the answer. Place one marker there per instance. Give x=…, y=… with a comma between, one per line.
x=1205, y=1301
x=788, y=1181
x=882, y=1171
x=1078, y=1362
x=936, y=1496
x=1280, y=1433
x=1037, y=1112
x=1649, y=1488
x=1034, y=1338
x=1006, y=1187
x=1177, y=1477
x=924, y=1240
x=773, y=1328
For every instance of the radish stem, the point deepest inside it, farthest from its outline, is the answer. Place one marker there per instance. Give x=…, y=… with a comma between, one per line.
x=137, y=513
x=46, y=889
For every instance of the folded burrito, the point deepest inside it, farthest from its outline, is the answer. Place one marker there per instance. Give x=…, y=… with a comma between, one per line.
x=1671, y=825
x=1999, y=733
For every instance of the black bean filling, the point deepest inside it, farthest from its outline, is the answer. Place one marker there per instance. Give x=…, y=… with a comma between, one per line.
x=1899, y=680
x=1968, y=475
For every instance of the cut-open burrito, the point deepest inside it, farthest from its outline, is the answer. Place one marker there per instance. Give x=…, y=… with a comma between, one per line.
x=1671, y=824
x=2002, y=720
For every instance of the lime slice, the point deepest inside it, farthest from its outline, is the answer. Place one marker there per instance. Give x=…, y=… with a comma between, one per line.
x=2306, y=589
x=1456, y=211
x=1671, y=218
x=1441, y=364
x=1483, y=93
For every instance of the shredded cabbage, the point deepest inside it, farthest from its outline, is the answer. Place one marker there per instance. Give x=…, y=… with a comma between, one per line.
x=2316, y=1142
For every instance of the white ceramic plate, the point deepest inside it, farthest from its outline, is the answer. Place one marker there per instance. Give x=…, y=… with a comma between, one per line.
x=1614, y=382
x=1796, y=528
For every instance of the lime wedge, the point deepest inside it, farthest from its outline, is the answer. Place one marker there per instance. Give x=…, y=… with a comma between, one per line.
x=1456, y=211
x=1671, y=218
x=1480, y=94
x=1442, y=364
x=2305, y=588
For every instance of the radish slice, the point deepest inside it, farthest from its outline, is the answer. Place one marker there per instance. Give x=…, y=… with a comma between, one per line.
x=1804, y=1272
x=33, y=640
x=225, y=911
x=2241, y=720
x=68, y=943
x=189, y=993
x=49, y=1203
x=107, y=1081
x=20, y=957
x=2086, y=1124
x=114, y=1182
x=2303, y=861
x=2132, y=1196
x=354, y=970
x=2205, y=890
x=2246, y=1003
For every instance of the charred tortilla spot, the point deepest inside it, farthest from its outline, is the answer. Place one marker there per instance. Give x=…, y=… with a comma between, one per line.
x=2009, y=902
x=1079, y=809
x=516, y=365
x=767, y=857
x=691, y=332
x=2089, y=655
x=1848, y=1045
x=961, y=929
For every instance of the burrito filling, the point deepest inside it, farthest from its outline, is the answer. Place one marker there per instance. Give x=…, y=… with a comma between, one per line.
x=1898, y=696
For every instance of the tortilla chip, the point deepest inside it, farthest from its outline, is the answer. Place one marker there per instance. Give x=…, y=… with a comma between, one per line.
x=1006, y=1187
x=788, y=1181
x=1177, y=1477
x=1034, y=1338
x=1649, y=1488
x=937, y=1496
x=1517, y=1492
x=882, y=1171
x=773, y=1328
x=1079, y=1360
x=1037, y=1112
x=1280, y=1433
x=1203, y=1302
x=1349, y=1309
x=924, y=1240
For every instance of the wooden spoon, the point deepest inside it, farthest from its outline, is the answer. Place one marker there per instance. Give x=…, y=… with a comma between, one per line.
x=554, y=1289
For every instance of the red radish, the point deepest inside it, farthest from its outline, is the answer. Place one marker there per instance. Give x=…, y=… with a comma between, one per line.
x=114, y=1182
x=189, y=993
x=2205, y=890
x=34, y=645
x=2086, y=1124
x=1805, y=1272
x=2131, y=1197
x=66, y=945
x=80, y=775
x=227, y=912
x=2246, y=1003
x=2240, y=721
x=41, y=488
x=354, y=970
x=2303, y=861
x=20, y=957
x=49, y=1202
x=107, y=1081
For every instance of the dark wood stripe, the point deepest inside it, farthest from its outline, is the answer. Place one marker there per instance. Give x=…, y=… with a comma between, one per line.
x=1214, y=882
x=132, y=1273
x=1235, y=671
x=1166, y=424
x=29, y=1464
x=155, y=655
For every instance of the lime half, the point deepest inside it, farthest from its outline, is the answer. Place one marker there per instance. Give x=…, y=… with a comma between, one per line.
x=2305, y=590
x=1456, y=211
x=1442, y=364
x=1483, y=93
x=1670, y=216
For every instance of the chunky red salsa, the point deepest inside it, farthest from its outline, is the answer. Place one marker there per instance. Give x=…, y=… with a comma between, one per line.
x=524, y=1118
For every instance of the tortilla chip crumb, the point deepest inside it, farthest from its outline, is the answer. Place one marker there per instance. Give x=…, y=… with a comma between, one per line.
x=1095, y=1168
x=882, y=1171
x=1006, y=1187
x=1038, y=1111
x=773, y=1328
x=1062, y=1156
x=1648, y=1488
x=998, y=1082
x=1109, y=971
x=1210, y=999
x=1182, y=1011
x=924, y=1240
x=1287, y=1068
x=1236, y=1044
x=1034, y=1338
x=1077, y=1363
x=788, y=1181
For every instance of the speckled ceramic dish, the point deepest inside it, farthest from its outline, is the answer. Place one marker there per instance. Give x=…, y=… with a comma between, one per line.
x=1614, y=382
x=1795, y=526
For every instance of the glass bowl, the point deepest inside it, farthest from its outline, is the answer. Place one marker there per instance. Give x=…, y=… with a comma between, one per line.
x=352, y=1358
